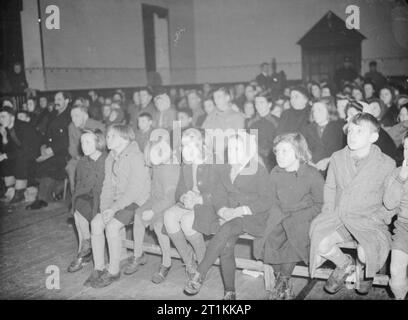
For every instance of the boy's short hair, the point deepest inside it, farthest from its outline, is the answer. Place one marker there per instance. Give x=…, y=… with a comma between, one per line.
x=9, y=110
x=187, y=111
x=81, y=107
x=100, y=139
x=366, y=117
x=299, y=143
x=224, y=90
x=265, y=95
x=124, y=131
x=146, y=115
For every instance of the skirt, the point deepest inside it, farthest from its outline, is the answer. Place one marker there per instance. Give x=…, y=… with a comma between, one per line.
x=126, y=215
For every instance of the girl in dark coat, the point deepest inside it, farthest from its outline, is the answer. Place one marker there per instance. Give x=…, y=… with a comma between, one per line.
x=297, y=191
x=325, y=134
x=88, y=186
x=243, y=201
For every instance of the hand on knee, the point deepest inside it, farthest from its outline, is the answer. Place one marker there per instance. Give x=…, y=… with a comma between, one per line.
x=170, y=221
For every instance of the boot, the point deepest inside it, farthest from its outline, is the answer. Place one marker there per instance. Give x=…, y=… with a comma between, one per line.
x=18, y=197
x=338, y=276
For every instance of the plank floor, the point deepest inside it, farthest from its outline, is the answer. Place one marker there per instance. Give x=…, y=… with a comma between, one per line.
x=31, y=241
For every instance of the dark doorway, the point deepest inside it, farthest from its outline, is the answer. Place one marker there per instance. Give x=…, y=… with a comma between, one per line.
x=149, y=13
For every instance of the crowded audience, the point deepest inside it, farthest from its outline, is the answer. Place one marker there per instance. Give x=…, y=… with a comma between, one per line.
x=301, y=168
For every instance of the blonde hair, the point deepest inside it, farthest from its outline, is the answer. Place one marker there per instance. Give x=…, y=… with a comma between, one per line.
x=298, y=141
x=124, y=131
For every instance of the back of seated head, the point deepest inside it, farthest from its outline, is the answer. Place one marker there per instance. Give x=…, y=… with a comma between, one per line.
x=8, y=109
x=368, y=118
x=187, y=111
x=372, y=63
x=147, y=115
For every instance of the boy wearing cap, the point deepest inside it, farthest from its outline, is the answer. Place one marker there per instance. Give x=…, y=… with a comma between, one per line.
x=353, y=209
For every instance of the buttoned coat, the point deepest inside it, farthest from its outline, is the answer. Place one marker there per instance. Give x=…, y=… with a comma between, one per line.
x=354, y=199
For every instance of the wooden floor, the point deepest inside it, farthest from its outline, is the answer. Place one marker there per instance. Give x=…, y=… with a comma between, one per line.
x=31, y=241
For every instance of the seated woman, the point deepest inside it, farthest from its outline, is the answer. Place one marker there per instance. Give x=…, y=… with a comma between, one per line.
x=325, y=134
x=86, y=197
x=194, y=214
x=126, y=187
x=395, y=197
x=297, y=191
x=164, y=181
x=243, y=200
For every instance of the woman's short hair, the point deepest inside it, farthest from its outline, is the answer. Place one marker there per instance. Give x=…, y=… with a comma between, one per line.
x=123, y=130
x=99, y=136
x=298, y=141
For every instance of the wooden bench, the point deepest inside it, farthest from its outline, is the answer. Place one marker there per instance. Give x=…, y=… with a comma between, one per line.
x=352, y=282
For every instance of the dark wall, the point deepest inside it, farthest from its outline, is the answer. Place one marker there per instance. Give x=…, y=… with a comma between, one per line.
x=11, y=45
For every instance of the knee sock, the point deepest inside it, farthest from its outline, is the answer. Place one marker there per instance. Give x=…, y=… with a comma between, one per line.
x=138, y=237
x=164, y=242
x=182, y=246
x=198, y=244
x=336, y=256
x=98, y=250
x=399, y=289
x=228, y=266
x=115, y=247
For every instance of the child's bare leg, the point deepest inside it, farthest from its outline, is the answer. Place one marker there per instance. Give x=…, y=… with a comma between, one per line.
x=164, y=242
x=138, y=236
x=399, y=280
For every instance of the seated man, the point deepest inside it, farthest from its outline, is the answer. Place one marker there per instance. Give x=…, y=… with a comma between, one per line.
x=21, y=145
x=54, y=152
x=353, y=208
x=80, y=122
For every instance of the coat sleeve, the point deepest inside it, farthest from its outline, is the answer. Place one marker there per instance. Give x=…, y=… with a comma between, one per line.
x=166, y=198
x=329, y=190
x=138, y=188
x=220, y=195
x=316, y=190
x=263, y=186
x=107, y=186
x=276, y=215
